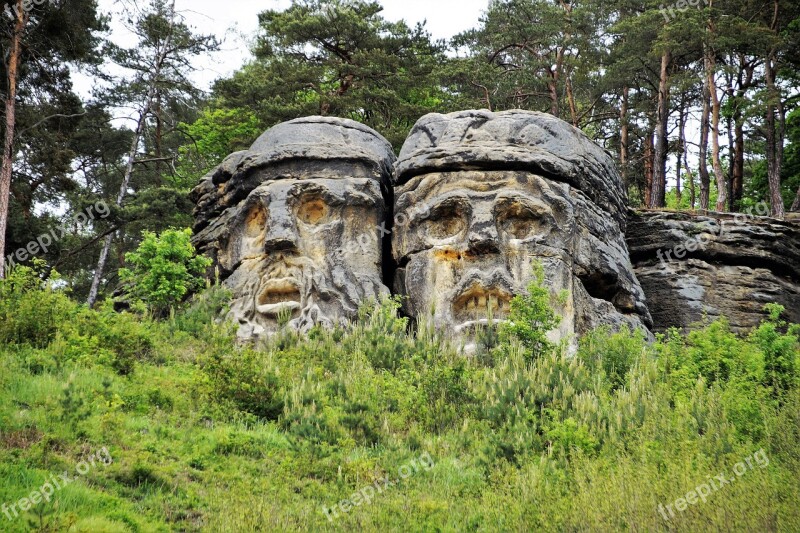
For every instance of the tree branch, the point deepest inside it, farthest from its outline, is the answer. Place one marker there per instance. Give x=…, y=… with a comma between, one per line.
x=45, y=119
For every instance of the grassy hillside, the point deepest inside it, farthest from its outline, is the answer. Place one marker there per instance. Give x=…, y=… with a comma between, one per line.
x=170, y=425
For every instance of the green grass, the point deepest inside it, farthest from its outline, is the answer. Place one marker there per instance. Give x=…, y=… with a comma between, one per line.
x=208, y=435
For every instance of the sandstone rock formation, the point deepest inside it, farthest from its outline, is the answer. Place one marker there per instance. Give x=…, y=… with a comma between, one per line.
x=280, y=220
x=691, y=266
x=297, y=227
x=483, y=195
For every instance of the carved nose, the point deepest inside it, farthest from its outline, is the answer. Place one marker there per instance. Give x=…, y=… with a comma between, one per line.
x=280, y=234
x=483, y=237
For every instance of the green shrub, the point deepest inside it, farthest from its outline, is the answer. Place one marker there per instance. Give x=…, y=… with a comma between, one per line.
x=613, y=354
x=381, y=335
x=164, y=270
x=307, y=420
x=32, y=312
x=248, y=379
x=781, y=347
x=130, y=338
x=532, y=317
x=203, y=317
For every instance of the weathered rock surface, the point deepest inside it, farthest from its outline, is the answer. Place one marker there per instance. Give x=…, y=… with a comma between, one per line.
x=484, y=196
x=691, y=266
x=293, y=223
x=514, y=140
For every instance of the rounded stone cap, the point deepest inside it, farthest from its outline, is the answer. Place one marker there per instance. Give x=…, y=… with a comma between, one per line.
x=513, y=140
x=303, y=145
x=324, y=138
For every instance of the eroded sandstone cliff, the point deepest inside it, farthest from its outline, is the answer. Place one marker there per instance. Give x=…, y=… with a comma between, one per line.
x=696, y=266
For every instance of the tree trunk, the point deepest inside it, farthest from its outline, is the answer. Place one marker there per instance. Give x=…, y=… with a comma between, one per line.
x=685, y=153
x=731, y=149
x=738, y=162
x=11, y=122
x=722, y=188
x=729, y=176
x=624, y=135
x=681, y=156
x=553, y=90
x=573, y=109
x=101, y=262
x=796, y=205
x=692, y=190
x=744, y=82
x=648, y=169
x=705, y=181
x=159, y=137
x=555, y=75
x=657, y=197
x=774, y=147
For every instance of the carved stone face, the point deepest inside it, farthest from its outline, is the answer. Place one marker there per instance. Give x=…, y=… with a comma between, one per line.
x=293, y=240
x=293, y=248
x=473, y=247
x=474, y=236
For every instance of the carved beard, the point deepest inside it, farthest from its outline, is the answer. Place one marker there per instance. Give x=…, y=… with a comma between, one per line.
x=314, y=295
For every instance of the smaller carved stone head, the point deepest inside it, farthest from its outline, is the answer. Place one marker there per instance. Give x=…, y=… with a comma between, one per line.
x=280, y=221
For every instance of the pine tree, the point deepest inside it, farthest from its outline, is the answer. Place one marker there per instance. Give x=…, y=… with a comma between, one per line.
x=39, y=42
x=339, y=58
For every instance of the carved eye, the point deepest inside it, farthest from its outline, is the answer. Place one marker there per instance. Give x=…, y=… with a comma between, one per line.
x=519, y=221
x=446, y=220
x=313, y=211
x=255, y=222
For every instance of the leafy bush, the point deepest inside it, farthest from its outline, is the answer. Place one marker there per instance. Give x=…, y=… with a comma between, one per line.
x=532, y=317
x=164, y=269
x=32, y=311
x=204, y=312
x=248, y=379
x=781, y=351
x=613, y=354
x=382, y=335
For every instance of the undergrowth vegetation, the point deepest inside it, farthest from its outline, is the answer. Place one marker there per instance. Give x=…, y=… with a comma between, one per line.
x=206, y=434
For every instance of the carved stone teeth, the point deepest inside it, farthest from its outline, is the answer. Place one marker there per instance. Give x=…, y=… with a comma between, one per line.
x=471, y=304
x=482, y=302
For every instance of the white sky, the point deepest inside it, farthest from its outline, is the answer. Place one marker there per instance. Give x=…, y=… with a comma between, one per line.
x=236, y=22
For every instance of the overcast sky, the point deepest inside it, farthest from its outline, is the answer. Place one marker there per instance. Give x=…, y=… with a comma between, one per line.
x=236, y=21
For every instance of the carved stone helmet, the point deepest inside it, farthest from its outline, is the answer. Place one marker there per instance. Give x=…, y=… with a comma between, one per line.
x=486, y=196
x=280, y=219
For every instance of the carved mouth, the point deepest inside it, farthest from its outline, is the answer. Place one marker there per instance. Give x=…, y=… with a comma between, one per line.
x=477, y=303
x=279, y=295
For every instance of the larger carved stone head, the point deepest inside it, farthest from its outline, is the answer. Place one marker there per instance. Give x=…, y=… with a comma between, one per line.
x=280, y=218
x=486, y=196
